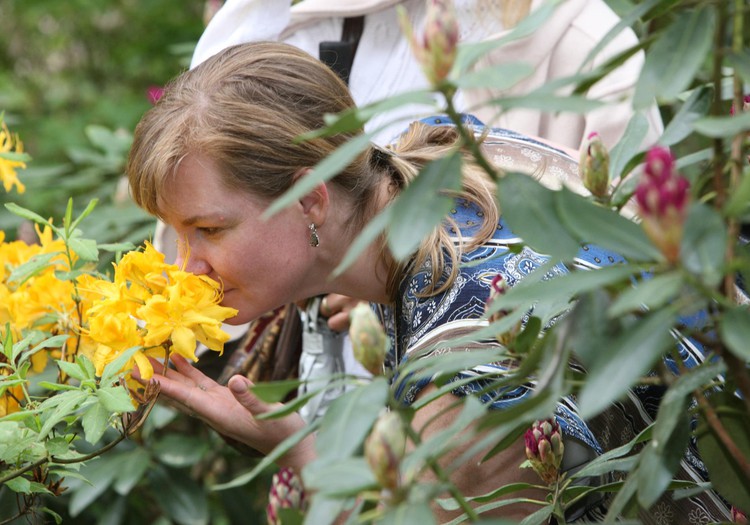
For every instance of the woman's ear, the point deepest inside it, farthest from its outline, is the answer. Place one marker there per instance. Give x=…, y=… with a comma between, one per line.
x=314, y=203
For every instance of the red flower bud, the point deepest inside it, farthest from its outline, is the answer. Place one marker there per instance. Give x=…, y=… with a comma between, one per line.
x=369, y=341
x=594, y=166
x=385, y=448
x=745, y=105
x=436, y=49
x=544, y=449
x=286, y=493
x=738, y=516
x=154, y=93
x=663, y=197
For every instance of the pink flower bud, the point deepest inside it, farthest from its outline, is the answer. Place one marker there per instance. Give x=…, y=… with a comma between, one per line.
x=369, y=341
x=385, y=448
x=738, y=516
x=498, y=287
x=154, y=93
x=544, y=449
x=663, y=198
x=286, y=493
x=436, y=49
x=594, y=166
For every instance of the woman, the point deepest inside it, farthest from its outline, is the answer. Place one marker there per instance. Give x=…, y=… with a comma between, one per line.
x=217, y=150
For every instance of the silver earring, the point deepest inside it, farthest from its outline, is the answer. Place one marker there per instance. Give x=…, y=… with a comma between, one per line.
x=314, y=239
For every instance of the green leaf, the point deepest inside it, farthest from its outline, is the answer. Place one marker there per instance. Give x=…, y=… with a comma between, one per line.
x=179, y=450
x=100, y=473
x=182, y=499
x=497, y=77
x=274, y=391
x=649, y=293
x=695, y=107
x=741, y=63
x=408, y=513
x=539, y=517
x=595, y=224
x=32, y=216
x=723, y=127
x=89, y=208
x=628, y=146
x=734, y=329
x=529, y=209
x=95, y=422
x=85, y=248
x=739, y=199
x=723, y=469
x=62, y=405
x=423, y=205
x=136, y=464
x=674, y=59
x=15, y=156
x=325, y=170
x=542, y=100
x=704, y=243
x=32, y=267
x=72, y=369
x=115, y=399
x=114, y=367
x=625, y=360
x=349, y=418
x=339, y=476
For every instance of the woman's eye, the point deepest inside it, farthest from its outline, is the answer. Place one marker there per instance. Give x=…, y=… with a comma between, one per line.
x=209, y=231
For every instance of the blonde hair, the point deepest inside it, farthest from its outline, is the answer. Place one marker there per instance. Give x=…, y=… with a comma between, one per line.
x=243, y=109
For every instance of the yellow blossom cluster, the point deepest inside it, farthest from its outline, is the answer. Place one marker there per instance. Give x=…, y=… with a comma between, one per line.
x=148, y=304
x=11, y=150
x=154, y=306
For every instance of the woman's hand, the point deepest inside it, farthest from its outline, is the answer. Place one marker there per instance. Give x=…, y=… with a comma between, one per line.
x=336, y=308
x=231, y=410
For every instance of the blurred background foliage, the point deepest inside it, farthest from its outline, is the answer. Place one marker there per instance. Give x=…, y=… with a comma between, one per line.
x=74, y=77
x=73, y=82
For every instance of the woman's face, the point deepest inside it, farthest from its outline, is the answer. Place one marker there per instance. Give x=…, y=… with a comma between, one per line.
x=262, y=264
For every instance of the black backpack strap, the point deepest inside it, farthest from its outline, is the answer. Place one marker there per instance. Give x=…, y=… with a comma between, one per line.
x=339, y=55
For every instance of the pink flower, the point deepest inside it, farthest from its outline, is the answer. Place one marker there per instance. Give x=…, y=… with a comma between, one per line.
x=286, y=493
x=594, y=166
x=154, y=93
x=544, y=449
x=663, y=197
x=436, y=49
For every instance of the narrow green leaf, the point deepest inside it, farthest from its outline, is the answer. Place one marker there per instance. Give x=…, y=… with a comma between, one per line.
x=551, y=102
x=85, y=213
x=349, y=418
x=178, y=450
x=339, y=476
x=423, y=205
x=704, y=243
x=275, y=391
x=528, y=207
x=14, y=156
x=133, y=469
x=695, y=107
x=627, y=358
x=115, y=399
x=498, y=77
x=739, y=199
x=539, y=517
x=325, y=170
x=741, y=63
x=85, y=248
x=30, y=215
x=595, y=224
x=116, y=366
x=63, y=405
x=30, y=268
x=674, y=59
x=628, y=146
x=648, y=293
x=408, y=513
x=368, y=235
x=734, y=329
x=723, y=127
x=68, y=218
x=72, y=369
x=95, y=422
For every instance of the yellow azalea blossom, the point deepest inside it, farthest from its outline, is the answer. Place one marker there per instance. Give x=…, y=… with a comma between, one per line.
x=10, y=144
x=144, y=271
x=9, y=400
x=114, y=334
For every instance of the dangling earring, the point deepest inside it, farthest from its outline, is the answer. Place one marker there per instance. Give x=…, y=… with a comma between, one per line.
x=314, y=239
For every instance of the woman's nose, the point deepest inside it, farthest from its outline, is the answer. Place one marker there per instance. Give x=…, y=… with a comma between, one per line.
x=191, y=260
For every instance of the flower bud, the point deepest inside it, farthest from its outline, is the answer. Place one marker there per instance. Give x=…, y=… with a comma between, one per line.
x=286, y=493
x=369, y=341
x=663, y=197
x=738, y=516
x=544, y=449
x=594, y=166
x=436, y=50
x=498, y=287
x=154, y=93
x=385, y=448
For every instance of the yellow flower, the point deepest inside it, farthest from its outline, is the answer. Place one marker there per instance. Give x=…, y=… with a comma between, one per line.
x=10, y=144
x=9, y=400
x=114, y=334
x=144, y=271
